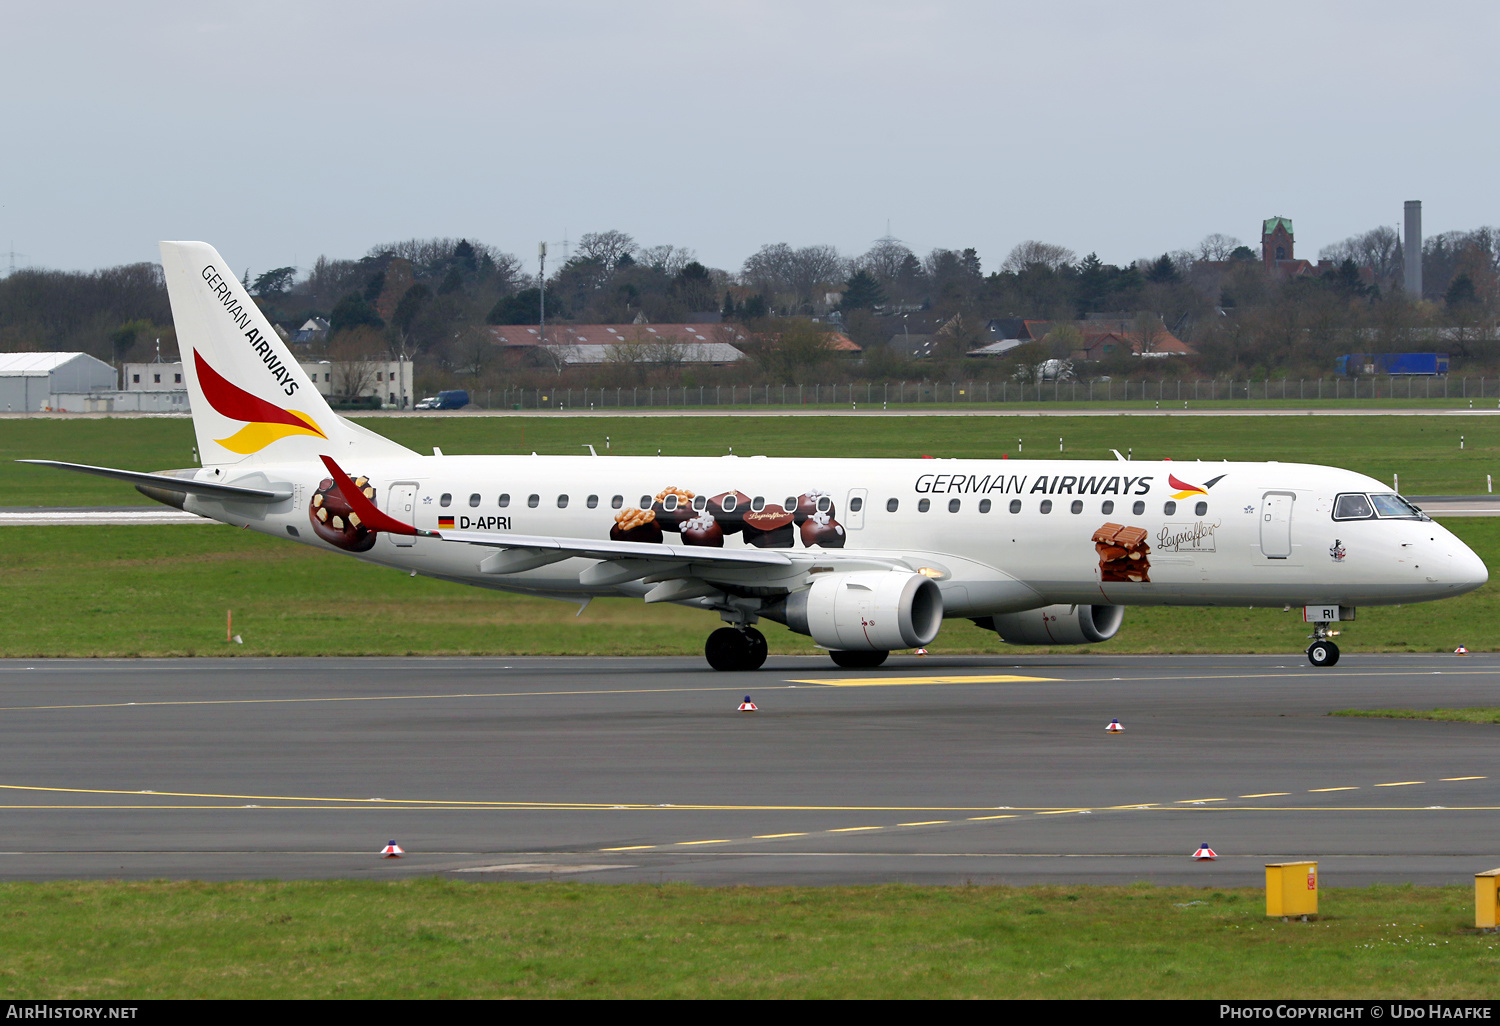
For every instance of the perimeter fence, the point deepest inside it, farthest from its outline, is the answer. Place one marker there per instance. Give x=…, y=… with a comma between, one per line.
x=993, y=393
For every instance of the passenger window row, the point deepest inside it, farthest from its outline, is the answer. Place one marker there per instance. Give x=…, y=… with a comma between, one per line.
x=1107, y=507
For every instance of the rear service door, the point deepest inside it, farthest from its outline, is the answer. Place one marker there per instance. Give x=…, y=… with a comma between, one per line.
x=1276, y=524
x=854, y=509
x=401, y=503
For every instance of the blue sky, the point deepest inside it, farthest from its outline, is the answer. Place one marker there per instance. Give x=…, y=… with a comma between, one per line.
x=278, y=131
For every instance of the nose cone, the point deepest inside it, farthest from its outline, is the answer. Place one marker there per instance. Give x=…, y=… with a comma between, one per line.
x=1469, y=571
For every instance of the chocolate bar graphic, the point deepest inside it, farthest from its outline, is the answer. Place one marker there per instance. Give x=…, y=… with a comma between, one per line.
x=1123, y=554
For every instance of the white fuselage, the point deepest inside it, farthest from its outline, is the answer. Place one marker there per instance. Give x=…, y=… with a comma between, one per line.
x=998, y=535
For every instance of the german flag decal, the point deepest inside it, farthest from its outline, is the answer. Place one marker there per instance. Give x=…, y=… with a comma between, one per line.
x=267, y=422
x=445, y=523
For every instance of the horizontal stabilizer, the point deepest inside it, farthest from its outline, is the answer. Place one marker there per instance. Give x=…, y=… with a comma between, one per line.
x=167, y=483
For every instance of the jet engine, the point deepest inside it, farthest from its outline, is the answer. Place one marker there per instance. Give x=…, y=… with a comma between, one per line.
x=865, y=611
x=1057, y=625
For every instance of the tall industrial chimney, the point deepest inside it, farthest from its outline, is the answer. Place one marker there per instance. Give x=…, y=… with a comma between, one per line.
x=1412, y=252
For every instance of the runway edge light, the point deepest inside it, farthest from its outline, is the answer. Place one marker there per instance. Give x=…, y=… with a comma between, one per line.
x=1114, y=727
x=747, y=705
x=1205, y=854
x=391, y=851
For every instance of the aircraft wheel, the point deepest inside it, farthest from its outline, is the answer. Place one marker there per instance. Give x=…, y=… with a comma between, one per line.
x=756, y=656
x=1322, y=653
x=858, y=660
x=728, y=649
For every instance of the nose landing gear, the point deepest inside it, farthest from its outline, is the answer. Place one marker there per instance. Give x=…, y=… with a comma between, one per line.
x=1322, y=652
x=736, y=648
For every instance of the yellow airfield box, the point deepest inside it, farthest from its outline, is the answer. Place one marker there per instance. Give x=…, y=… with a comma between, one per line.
x=1485, y=899
x=1292, y=889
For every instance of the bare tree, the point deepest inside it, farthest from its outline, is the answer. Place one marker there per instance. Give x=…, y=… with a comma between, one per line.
x=606, y=247
x=1031, y=252
x=669, y=260
x=1217, y=247
x=355, y=355
x=1378, y=249
x=884, y=259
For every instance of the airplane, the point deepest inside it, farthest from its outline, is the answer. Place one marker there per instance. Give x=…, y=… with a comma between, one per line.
x=865, y=556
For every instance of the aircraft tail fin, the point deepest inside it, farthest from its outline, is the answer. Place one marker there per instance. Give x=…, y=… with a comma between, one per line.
x=252, y=401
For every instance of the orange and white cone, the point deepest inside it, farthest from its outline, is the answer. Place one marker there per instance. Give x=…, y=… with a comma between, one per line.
x=391, y=851
x=1205, y=854
x=1460, y=650
x=1114, y=727
x=747, y=705
x=920, y=652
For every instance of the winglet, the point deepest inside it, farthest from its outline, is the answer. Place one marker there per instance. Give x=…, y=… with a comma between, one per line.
x=368, y=514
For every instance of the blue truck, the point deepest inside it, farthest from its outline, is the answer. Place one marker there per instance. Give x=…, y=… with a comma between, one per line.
x=1363, y=365
x=454, y=400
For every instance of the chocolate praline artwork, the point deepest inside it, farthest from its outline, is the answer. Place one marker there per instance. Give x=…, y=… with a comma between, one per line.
x=334, y=520
x=822, y=530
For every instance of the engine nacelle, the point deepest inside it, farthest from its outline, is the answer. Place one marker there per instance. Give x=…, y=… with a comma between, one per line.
x=867, y=611
x=1057, y=625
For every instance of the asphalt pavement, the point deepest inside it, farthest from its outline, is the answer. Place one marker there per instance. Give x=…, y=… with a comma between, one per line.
x=940, y=770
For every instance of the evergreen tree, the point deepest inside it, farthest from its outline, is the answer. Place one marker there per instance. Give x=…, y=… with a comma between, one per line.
x=352, y=312
x=862, y=292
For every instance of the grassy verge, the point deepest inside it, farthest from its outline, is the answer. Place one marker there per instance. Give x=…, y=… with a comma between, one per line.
x=440, y=938
x=1479, y=714
x=1422, y=450
x=162, y=591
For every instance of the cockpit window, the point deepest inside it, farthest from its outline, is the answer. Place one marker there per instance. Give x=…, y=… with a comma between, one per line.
x=1352, y=506
x=1389, y=504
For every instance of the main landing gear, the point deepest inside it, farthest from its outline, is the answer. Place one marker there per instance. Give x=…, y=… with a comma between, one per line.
x=736, y=648
x=1322, y=652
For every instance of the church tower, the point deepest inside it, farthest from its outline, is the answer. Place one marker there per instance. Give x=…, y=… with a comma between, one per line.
x=1276, y=241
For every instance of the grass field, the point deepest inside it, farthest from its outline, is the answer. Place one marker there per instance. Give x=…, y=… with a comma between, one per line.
x=1474, y=714
x=161, y=591
x=100, y=591
x=1423, y=450
x=434, y=938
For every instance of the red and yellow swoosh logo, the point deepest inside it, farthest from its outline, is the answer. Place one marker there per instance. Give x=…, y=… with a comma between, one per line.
x=1184, y=489
x=266, y=422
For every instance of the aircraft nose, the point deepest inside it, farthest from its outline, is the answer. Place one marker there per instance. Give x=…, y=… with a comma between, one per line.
x=1469, y=571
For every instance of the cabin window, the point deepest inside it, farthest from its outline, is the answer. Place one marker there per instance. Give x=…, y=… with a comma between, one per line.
x=1046, y=505
x=1015, y=505
x=984, y=505
x=700, y=502
x=1108, y=507
x=953, y=505
x=1169, y=507
x=562, y=502
x=645, y=502
x=924, y=505
x=617, y=502
x=1138, y=508
x=593, y=501
x=824, y=504
x=670, y=502
x=533, y=501
x=446, y=499
x=504, y=499
x=891, y=505
x=474, y=499
x=728, y=503
x=1077, y=506
x=856, y=504
x=1200, y=510
x=758, y=503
